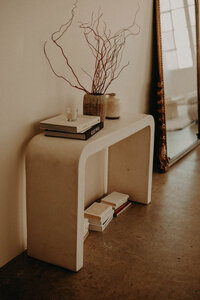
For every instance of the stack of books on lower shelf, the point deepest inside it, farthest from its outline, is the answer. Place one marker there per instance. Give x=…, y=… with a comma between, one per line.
x=99, y=216
x=119, y=202
x=86, y=228
x=82, y=129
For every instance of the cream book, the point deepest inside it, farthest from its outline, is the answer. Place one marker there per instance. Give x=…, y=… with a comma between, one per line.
x=115, y=199
x=60, y=123
x=85, y=236
x=97, y=211
x=95, y=227
x=103, y=219
x=86, y=228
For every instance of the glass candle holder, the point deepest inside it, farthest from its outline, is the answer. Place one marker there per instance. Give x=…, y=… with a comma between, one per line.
x=71, y=113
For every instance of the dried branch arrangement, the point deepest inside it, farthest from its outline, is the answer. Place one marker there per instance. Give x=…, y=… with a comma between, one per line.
x=107, y=50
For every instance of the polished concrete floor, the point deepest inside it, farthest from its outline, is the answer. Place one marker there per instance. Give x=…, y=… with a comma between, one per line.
x=148, y=252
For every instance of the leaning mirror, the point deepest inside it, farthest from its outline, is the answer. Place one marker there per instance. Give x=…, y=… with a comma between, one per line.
x=178, y=84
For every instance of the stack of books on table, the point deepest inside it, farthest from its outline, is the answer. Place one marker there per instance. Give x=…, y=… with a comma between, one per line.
x=86, y=228
x=99, y=216
x=82, y=129
x=119, y=202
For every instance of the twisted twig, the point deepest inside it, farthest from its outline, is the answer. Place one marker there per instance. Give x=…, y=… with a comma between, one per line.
x=107, y=50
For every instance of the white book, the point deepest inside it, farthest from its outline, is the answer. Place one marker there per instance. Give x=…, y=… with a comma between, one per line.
x=60, y=123
x=86, y=222
x=86, y=230
x=86, y=226
x=97, y=211
x=94, y=227
x=86, y=235
x=103, y=220
x=115, y=199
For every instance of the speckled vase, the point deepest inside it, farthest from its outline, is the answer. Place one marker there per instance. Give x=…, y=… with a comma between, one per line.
x=113, y=107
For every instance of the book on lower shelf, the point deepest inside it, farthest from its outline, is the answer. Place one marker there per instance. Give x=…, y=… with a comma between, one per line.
x=100, y=227
x=115, y=199
x=97, y=211
x=99, y=216
x=119, y=202
x=86, y=228
x=122, y=208
x=60, y=123
x=85, y=236
x=78, y=136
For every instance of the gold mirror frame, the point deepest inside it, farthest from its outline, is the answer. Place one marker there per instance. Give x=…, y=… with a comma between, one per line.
x=163, y=161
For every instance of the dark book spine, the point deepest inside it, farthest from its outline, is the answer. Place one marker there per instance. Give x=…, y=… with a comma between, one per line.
x=93, y=130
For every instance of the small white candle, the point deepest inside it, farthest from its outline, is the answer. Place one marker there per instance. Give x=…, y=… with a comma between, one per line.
x=71, y=114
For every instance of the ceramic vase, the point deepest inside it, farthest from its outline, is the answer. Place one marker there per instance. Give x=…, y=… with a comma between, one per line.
x=113, y=107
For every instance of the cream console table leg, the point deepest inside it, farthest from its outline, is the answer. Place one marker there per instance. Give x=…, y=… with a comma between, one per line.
x=54, y=212
x=130, y=165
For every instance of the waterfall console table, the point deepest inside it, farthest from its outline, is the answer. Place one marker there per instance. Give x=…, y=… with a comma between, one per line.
x=55, y=176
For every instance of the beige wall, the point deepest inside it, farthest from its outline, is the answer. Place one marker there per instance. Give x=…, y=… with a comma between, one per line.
x=29, y=92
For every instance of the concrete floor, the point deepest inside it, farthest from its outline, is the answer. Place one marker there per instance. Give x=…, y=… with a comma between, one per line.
x=148, y=252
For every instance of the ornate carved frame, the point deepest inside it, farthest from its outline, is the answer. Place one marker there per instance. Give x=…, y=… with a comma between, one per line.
x=164, y=162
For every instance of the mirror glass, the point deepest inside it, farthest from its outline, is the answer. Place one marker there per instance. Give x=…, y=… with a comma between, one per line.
x=179, y=59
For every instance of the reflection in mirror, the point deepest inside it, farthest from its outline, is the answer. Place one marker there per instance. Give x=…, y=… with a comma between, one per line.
x=179, y=64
